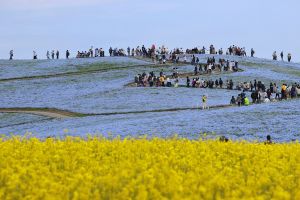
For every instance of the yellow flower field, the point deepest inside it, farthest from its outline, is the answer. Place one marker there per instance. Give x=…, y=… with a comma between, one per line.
x=98, y=168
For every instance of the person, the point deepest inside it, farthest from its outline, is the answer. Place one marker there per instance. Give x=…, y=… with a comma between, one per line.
x=162, y=81
x=193, y=60
x=34, y=55
x=11, y=54
x=236, y=66
x=169, y=84
x=277, y=93
x=221, y=51
x=221, y=83
x=274, y=55
x=203, y=50
x=243, y=96
x=197, y=61
x=57, y=54
x=196, y=70
x=91, y=52
x=269, y=93
x=188, y=81
x=254, y=96
x=231, y=85
x=204, y=102
x=293, y=92
x=283, y=91
x=281, y=55
x=289, y=57
x=128, y=51
x=223, y=139
x=272, y=87
x=52, y=54
x=110, y=51
x=67, y=54
x=176, y=83
x=97, y=52
x=269, y=140
x=246, y=101
x=232, y=101
x=251, y=86
x=48, y=55
x=239, y=100
x=209, y=68
x=217, y=83
x=252, y=52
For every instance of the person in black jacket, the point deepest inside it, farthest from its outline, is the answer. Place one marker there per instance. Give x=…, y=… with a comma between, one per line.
x=188, y=81
x=67, y=54
x=254, y=96
x=221, y=83
x=11, y=54
x=232, y=101
x=252, y=52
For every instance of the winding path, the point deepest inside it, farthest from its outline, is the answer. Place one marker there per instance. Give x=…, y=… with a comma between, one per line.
x=62, y=114
x=46, y=112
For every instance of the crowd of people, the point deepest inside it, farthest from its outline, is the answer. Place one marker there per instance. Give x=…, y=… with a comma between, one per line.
x=209, y=83
x=238, y=51
x=54, y=54
x=261, y=94
x=232, y=50
x=289, y=56
x=162, y=80
x=98, y=52
x=174, y=54
x=152, y=80
x=160, y=54
x=116, y=52
x=211, y=65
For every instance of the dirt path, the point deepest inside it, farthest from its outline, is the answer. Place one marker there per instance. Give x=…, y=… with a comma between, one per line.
x=46, y=112
x=63, y=114
x=164, y=110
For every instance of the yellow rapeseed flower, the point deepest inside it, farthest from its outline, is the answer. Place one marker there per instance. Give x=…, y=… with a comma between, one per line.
x=99, y=168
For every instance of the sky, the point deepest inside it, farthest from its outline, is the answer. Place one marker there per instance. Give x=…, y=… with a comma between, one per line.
x=41, y=25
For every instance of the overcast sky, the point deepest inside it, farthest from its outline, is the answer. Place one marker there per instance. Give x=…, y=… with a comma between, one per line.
x=42, y=25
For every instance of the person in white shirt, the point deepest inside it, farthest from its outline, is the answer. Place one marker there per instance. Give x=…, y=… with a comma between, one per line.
x=209, y=68
x=169, y=84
